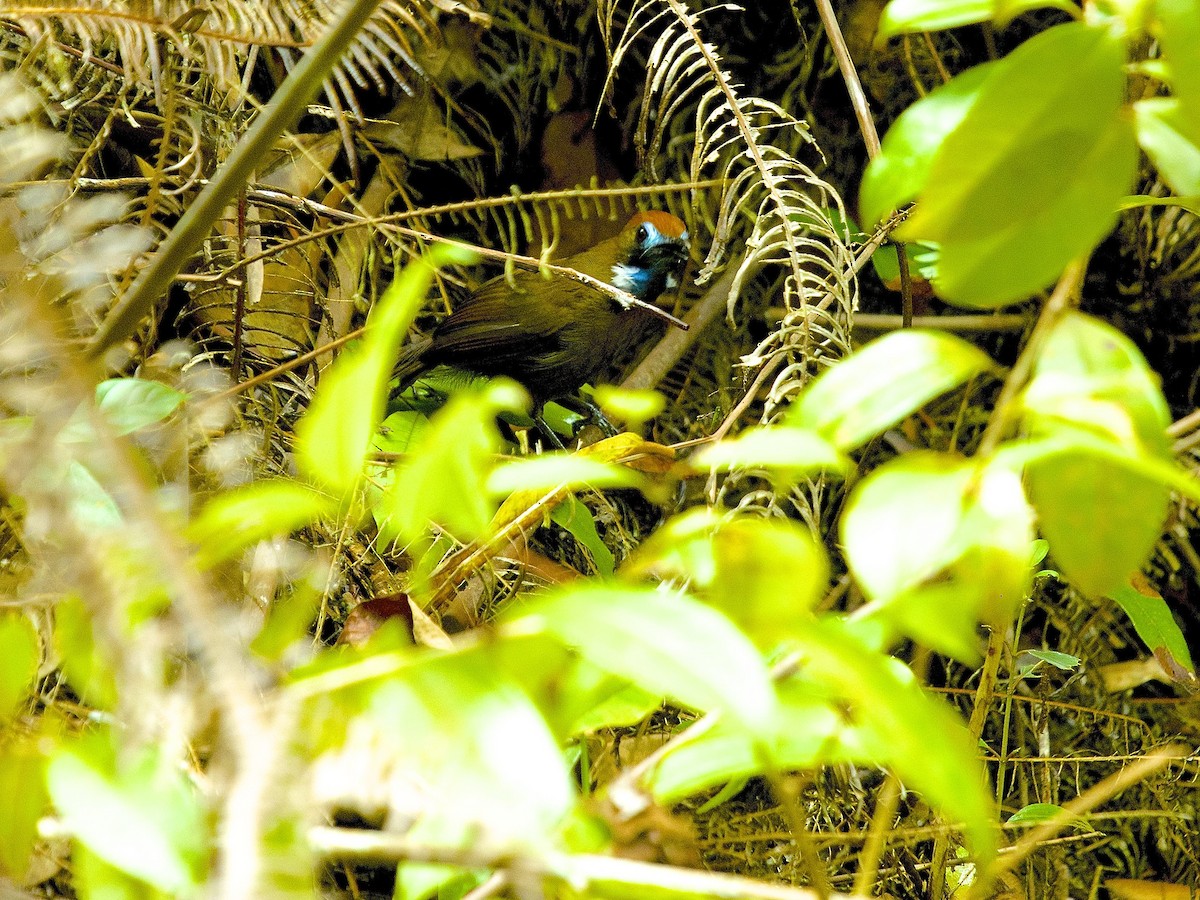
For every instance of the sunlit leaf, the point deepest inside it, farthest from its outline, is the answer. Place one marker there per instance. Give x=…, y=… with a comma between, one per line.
x=804, y=735
x=22, y=785
x=335, y=434
x=765, y=574
x=1164, y=133
x=1101, y=511
x=444, y=479
x=18, y=662
x=883, y=383
x=899, y=173
x=130, y=404
x=144, y=820
x=904, y=16
x=551, y=470
x=1033, y=175
x=234, y=520
x=664, y=643
x=1179, y=22
x=794, y=451
x=947, y=540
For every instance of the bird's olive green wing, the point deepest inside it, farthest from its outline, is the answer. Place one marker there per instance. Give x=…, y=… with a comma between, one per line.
x=500, y=325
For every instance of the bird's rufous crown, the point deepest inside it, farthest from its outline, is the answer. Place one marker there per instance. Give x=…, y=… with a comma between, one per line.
x=668, y=226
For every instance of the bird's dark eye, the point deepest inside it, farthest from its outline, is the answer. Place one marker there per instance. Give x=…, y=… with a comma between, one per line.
x=642, y=234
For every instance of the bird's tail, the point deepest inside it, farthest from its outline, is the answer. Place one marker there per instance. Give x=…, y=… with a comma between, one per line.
x=411, y=363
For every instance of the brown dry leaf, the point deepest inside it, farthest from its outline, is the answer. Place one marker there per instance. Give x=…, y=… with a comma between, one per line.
x=367, y=618
x=1122, y=676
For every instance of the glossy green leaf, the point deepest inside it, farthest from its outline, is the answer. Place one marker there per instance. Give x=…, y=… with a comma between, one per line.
x=1163, y=132
x=1091, y=375
x=883, y=383
x=84, y=666
x=805, y=735
x=793, y=451
x=468, y=754
x=946, y=540
x=18, y=662
x=1154, y=623
x=1035, y=814
x=549, y=471
x=234, y=520
x=899, y=173
x=1179, y=26
x=665, y=643
x=130, y=404
x=400, y=431
x=578, y=520
x=23, y=787
x=444, y=480
x=1033, y=175
x=1100, y=511
x=1064, y=661
x=145, y=819
x=905, y=16
x=335, y=434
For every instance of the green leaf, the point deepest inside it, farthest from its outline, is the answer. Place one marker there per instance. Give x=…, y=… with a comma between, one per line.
x=549, y=471
x=23, y=787
x=1101, y=511
x=665, y=643
x=444, y=481
x=18, y=662
x=922, y=262
x=899, y=173
x=905, y=16
x=130, y=404
x=83, y=665
x=1033, y=175
x=145, y=820
x=232, y=521
x=1179, y=25
x=1154, y=623
x=946, y=541
x=1163, y=132
x=577, y=519
x=467, y=753
x=1064, y=661
x=1035, y=814
x=805, y=735
x=793, y=451
x=765, y=574
x=884, y=383
x=335, y=434
x=400, y=431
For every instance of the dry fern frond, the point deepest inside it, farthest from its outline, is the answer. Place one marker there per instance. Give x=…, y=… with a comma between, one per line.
x=133, y=38
x=750, y=144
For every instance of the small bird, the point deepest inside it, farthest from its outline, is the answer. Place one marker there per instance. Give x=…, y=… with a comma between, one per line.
x=553, y=335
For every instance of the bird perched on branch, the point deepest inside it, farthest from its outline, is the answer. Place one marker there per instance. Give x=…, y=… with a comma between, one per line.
x=554, y=334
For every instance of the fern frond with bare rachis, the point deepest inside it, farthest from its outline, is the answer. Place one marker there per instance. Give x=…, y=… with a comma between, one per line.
x=781, y=207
